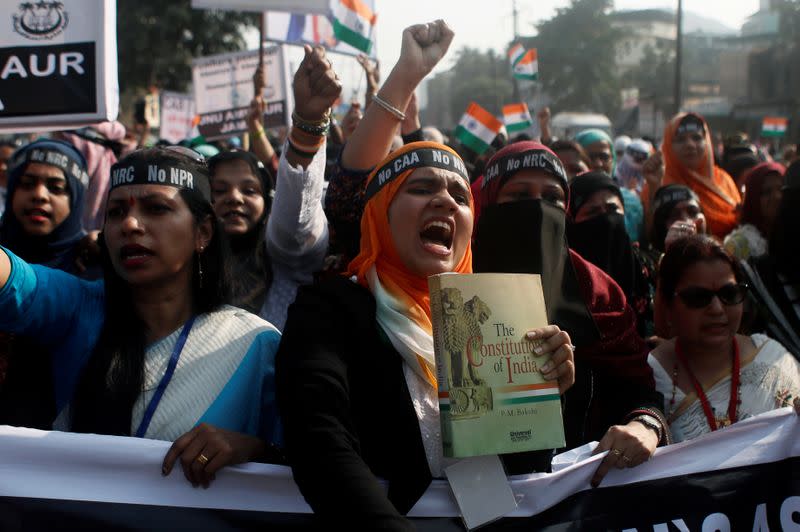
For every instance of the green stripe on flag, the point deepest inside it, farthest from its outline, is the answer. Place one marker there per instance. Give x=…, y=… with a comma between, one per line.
x=530, y=399
x=772, y=133
x=470, y=141
x=354, y=39
x=519, y=126
x=526, y=76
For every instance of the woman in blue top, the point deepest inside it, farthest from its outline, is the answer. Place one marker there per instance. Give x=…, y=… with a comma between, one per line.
x=151, y=351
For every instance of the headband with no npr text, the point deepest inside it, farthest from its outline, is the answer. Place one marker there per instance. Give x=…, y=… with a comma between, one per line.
x=156, y=173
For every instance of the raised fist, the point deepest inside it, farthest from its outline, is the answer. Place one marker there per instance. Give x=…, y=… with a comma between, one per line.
x=316, y=86
x=371, y=69
x=653, y=170
x=423, y=47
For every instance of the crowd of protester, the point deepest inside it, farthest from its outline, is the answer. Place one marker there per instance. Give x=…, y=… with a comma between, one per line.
x=271, y=303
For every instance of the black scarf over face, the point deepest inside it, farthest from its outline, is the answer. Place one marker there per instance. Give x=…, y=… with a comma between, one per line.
x=529, y=237
x=603, y=241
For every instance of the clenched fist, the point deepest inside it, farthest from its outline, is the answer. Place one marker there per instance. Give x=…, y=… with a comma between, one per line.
x=316, y=86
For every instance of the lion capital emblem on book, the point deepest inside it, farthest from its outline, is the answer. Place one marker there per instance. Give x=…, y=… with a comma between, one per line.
x=469, y=394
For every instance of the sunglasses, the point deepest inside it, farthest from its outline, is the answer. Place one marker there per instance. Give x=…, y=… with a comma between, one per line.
x=697, y=297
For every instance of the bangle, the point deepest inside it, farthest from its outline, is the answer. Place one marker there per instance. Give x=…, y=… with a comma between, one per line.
x=391, y=109
x=298, y=142
x=316, y=128
x=298, y=152
x=259, y=133
x=664, y=436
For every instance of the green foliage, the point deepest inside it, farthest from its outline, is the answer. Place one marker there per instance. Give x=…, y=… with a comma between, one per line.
x=577, y=54
x=653, y=76
x=157, y=40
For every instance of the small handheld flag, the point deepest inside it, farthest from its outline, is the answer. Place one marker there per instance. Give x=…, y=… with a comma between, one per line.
x=477, y=128
x=528, y=66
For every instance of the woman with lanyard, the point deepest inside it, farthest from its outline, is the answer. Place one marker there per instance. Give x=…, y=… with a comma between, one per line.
x=522, y=230
x=152, y=351
x=689, y=161
x=358, y=397
x=710, y=376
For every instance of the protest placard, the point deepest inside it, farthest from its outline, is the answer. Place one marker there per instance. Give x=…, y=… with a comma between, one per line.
x=58, y=64
x=177, y=116
x=223, y=89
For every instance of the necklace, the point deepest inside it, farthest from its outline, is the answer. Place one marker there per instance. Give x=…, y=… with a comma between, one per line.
x=735, y=399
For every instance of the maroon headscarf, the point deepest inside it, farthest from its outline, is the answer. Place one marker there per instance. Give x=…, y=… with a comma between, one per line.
x=513, y=158
x=620, y=350
x=754, y=180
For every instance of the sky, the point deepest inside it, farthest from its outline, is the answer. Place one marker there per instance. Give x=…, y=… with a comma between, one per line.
x=487, y=24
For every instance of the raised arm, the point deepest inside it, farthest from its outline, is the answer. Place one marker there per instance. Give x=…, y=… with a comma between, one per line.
x=259, y=143
x=423, y=47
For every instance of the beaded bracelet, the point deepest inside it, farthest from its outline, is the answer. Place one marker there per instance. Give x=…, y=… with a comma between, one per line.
x=391, y=109
x=317, y=128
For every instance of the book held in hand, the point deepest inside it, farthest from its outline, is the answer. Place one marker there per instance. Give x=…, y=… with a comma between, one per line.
x=493, y=398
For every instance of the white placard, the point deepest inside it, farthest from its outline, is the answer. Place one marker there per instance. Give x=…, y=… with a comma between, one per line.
x=295, y=6
x=177, y=116
x=223, y=89
x=58, y=64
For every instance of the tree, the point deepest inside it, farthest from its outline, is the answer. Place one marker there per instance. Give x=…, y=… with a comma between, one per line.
x=481, y=77
x=653, y=75
x=577, y=57
x=158, y=39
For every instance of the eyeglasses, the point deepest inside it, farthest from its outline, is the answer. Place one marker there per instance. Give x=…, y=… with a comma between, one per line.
x=697, y=297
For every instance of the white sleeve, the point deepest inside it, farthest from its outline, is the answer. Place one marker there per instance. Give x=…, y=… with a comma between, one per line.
x=297, y=231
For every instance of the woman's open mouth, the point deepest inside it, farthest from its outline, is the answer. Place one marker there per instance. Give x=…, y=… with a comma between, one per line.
x=437, y=237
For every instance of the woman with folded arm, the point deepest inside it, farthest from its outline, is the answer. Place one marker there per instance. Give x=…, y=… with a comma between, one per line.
x=151, y=350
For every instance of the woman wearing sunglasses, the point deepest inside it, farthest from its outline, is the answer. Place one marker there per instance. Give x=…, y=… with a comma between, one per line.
x=710, y=376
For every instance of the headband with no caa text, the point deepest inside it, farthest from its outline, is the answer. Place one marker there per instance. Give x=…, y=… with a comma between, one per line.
x=156, y=173
x=56, y=158
x=530, y=160
x=421, y=158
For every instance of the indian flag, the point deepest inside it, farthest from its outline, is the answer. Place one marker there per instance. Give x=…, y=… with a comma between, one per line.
x=528, y=66
x=477, y=128
x=517, y=117
x=353, y=22
x=774, y=126
x=515, y=53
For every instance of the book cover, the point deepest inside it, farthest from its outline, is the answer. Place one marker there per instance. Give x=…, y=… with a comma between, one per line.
x=492, y=397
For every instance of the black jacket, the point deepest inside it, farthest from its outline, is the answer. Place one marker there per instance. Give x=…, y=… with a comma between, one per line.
x=348, y=416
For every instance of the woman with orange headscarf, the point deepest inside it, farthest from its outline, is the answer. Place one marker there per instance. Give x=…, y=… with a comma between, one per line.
x=689, y=160
x=356, y=381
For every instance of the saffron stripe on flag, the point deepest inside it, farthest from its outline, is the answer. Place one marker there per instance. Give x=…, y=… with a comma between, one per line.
x=357, y=6
x=523, y=387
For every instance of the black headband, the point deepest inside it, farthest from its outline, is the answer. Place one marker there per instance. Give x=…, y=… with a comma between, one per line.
x=535, y=159
x=419, y=158
x=691, y=124
x=676, y=195
x=155, y=173
x=60, y=160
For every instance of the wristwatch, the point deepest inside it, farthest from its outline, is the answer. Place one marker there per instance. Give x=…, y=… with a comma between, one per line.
x=650, y=422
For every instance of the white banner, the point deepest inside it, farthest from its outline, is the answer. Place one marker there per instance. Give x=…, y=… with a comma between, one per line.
x=177, y=116
x=223, y=89
x=109, y=469
x=58, y=64
x=295, y=6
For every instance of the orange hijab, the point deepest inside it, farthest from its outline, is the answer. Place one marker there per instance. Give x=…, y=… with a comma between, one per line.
x=408, y=292
x=719, y=197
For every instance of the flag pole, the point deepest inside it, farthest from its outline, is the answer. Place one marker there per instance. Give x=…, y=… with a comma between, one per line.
x=261, y=26
x=516, y=37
